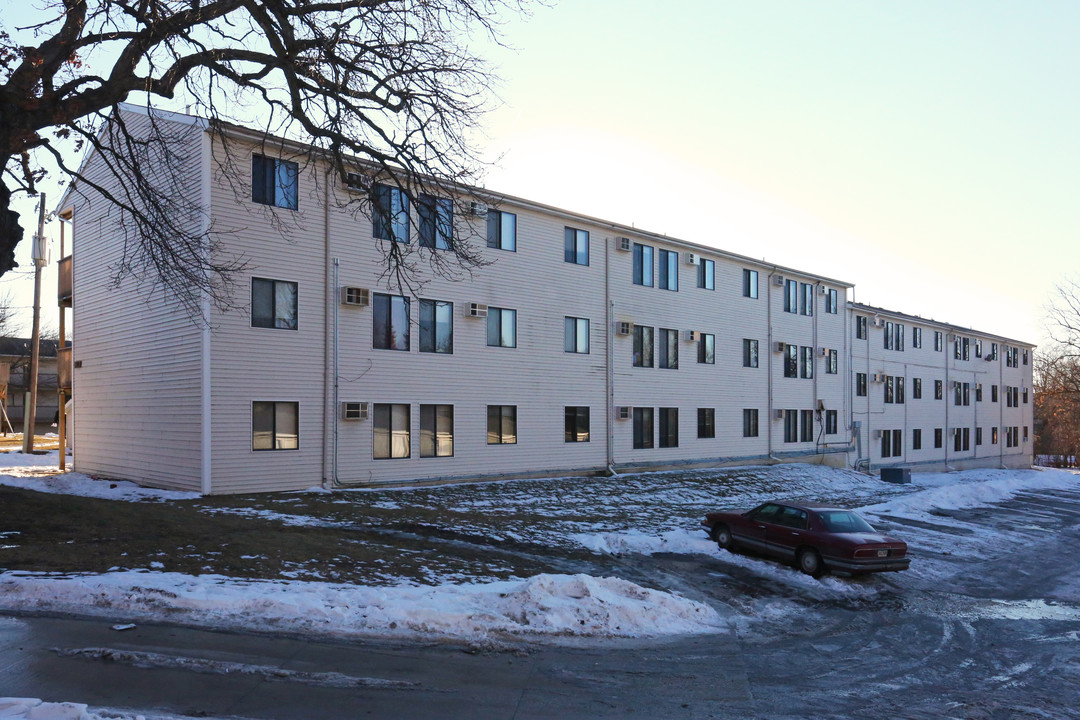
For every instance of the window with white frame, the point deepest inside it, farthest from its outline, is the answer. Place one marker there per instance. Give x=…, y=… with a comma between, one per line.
x=576, y=246
x=436, y=326
x=274, y=182
x=643, y=265
x=501, y=424
x=707, y=275
x=643, y=428
x=749, y=283
x=275, y=425
x=436, y=430
x=391, y=427
x=576, y=335
x=669, y=270
x=390, y=213
x=576, y=424
x=749, y=353
x=750, y=422
x=706, y=348
x=502, y=230
x=501, y=327
x=643, y=346
x=390, y=322
x=436, y=219
x=273, y=304
x=669, y=349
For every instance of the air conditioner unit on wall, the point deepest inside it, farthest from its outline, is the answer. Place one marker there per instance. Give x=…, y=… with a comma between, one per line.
x=780, y=347
x=622, y=412
x=622, y=243
x=624, y=327
x=354, y=411
x=778, y=279
x=476, y=310
x=879, y=322
x=355, y=181
x=478, y=209
x=360, y=297
x=692, y=258
x=879, y=377
x=691, y=336
x=778, y=414
x=822, y=289
x=823, y=351
x=877, y=434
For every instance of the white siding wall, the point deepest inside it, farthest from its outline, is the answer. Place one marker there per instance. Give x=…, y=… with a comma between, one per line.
x=927, y=413
x=137, y=392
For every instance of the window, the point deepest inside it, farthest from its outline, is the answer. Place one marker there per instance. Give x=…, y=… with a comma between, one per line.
x=749, y=283
x=643, y=346
x=807, y=425
x=576, y=246
x=1025, y=433
x=861, y=324
x=274, y=182
x=791, y=426
x=806, y=362
x=390, y=213
x=577, y=424
x=576, y=335
x=958, y=441
x=806, y=299
x=436, y=328
x=275, y=425
x=978, y=348
x=750, y=422
x=966, y=434
x=390, y=322
x=890, y=390
x=669, y=270
x=706, y=349
x=978, y=436
x=916, y=439
x=832, y=362
x=436, y=222
x=706, y=422
x=502, y=424
x=899, y=390
x=892, y=443
x=939, y=390
x=706, y=277
x=436, y=430
x=501, y=327
x=749, y=353
x=916, y=388
x=937, y=437
x=993, y=351
x=273, y=304
x=831, y=301
x=894, y=336
x=886, y=443
x=887, y=339
x=830, y=422
x=898, y=442
x=993, y=393
x=1025, y=396
x=791, y=296
x=1025, y=363
x=916, y=337
x=937, y=343
x=502, y=230
x=791, y=361
x=391, y=428
x=643, y=265
x=965, y=348
x=669, y=350
x=643, y=428
x=860, y=384
x=994, y=435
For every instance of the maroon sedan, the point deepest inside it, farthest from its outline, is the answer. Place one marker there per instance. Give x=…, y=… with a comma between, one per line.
x=818, y=538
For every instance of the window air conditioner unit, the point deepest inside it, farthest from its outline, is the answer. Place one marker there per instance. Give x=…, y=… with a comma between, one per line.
x=360, y=297
x=478, y=209
x=355, y=181
x=692, y=258
x=879, y=377
x=354, y=411
x=622, y=243
x=622, y=412
x=778, y=279
x=822, y=289
x=476, y=310
x=823, y=351
x=780, y=347
x=691, y=336
x=879, y=322
x=877, y=434
x=778, y=414
x=952, y=337
x=624, y=327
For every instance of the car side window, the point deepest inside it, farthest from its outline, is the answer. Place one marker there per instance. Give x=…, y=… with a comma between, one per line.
x=792, y=518
x=766, y=513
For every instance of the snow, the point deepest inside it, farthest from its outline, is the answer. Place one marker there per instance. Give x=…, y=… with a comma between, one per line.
x=31, y=472
x=12, y=708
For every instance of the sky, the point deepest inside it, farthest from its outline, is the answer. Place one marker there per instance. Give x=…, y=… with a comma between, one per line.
x=924, y=152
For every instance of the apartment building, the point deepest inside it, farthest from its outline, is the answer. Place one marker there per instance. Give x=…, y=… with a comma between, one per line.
x=581, y=347
x=935, y=396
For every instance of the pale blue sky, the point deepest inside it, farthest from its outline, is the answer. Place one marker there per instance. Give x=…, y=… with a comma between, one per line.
x=926, y=152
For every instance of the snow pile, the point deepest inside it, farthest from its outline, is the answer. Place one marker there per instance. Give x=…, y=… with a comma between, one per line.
x=542, y=606
x=36, y=709
x=38, y=472
x=618, y=543
x=975, y=489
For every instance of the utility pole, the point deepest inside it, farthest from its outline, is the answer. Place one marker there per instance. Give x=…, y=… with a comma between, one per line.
x=38, y=254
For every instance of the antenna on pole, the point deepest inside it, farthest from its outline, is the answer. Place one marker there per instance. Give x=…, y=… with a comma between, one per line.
x=39, y=255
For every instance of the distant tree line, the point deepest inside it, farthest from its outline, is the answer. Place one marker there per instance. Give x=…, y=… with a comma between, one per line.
x=1057, y=382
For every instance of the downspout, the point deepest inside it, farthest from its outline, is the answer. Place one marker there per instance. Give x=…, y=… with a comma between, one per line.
x=609, y=363
x=769, y=354
x=327, y=297
x=813, y=359
x=206, y=441
x=1001, y=413
x=949, y=389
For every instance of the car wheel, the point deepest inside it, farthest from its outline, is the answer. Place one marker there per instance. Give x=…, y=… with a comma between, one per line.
x=722, y=535
x=810, y=562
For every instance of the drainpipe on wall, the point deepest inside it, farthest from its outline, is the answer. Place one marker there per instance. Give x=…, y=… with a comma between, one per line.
x=328, y=297
x=769, y=420
x=609, y=361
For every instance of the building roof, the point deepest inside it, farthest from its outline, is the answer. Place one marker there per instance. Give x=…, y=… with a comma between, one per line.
x=20, y=347
x=872, y=310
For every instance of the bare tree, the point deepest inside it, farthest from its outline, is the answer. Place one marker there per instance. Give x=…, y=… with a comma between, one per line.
x=1064, y=316
x=1057, y=379
x=393, y=83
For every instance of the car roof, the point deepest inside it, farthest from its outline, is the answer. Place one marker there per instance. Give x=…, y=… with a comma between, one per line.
x=801, y=505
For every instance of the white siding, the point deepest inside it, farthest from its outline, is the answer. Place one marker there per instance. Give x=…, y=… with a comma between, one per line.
x=137, y=392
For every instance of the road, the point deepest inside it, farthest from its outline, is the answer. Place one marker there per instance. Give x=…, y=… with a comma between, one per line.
x=999, y=639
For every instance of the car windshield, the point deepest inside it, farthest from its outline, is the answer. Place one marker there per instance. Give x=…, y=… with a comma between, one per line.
x=843, y=521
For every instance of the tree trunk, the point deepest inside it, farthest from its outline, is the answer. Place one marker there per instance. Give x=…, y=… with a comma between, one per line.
x=10, y=231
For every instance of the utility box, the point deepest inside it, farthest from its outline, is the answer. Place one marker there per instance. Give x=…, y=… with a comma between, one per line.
x=899, y=476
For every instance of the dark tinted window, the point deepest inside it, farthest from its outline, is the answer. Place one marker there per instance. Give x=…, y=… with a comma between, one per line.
x=843, y=521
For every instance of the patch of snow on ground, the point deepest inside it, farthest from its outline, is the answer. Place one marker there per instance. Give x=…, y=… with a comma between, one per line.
x=25, y=471
x=542, y=606
x=36, y=709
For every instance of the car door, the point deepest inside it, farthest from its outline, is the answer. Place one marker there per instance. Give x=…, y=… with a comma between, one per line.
x=755, y=530
x=787, y=531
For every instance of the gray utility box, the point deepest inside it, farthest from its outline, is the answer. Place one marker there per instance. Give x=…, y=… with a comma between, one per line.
x=896, y=475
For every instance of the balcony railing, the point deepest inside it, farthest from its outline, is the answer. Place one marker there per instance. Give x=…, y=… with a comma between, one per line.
x=63, y=367
x=63, y=284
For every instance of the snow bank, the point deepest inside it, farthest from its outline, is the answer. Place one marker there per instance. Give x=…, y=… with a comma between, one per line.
x=38, y=472
x=35, y=709
x=542, y=606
